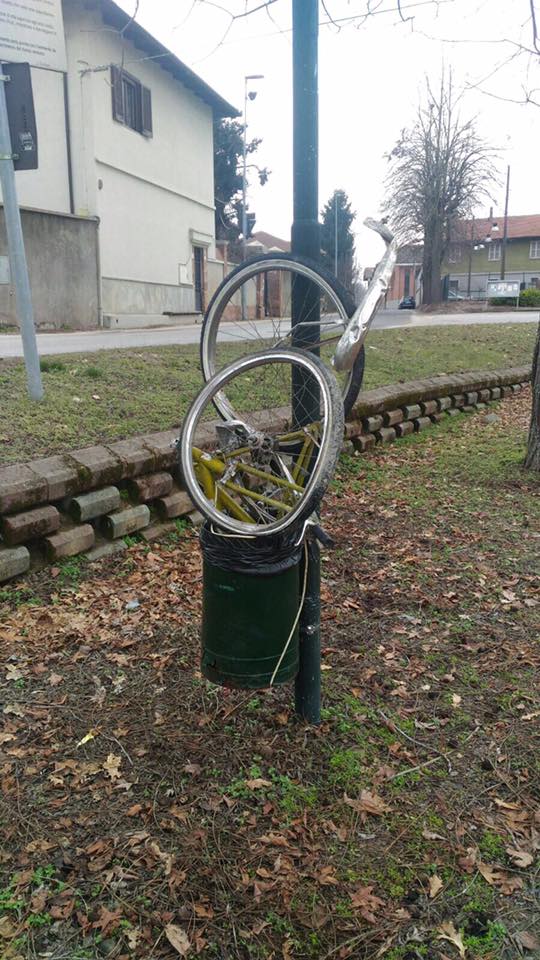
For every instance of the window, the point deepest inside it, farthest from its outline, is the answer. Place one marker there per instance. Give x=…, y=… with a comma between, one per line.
x=535, y=282
x=534, y=253
x=494, y=250
x=455, y=253
x=131, y=102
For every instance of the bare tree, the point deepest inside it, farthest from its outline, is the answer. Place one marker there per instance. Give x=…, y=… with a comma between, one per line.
x=440, y=170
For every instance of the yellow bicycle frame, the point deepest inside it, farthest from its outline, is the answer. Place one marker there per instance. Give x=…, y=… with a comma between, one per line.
x=209, y=469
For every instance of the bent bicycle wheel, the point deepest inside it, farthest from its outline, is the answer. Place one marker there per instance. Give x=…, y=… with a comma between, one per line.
x=268, y=468
x=252, y=308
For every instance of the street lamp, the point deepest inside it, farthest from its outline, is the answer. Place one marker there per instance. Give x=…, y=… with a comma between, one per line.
x=247, y=96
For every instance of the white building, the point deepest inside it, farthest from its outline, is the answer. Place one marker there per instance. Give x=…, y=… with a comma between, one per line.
x=125, y=141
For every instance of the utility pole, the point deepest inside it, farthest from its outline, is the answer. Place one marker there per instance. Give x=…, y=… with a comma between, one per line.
x=17, y=256
x=505, y=235
x=471, y=248
x=305, y=237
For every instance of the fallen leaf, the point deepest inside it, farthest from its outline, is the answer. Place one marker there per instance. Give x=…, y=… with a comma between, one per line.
x=133, y=936
x=447, y=931
x=456, y=699
x=15, y=709
x=528, y=940
x=435, y=886
x=89, y=736
x=366, y=903
x=203, y=910
x=367, y=803
x=258, y=783
x=178, y=939
x=497, y=878
x=13, y=672
x=112, y=766
x=428, y=835
x=193, y=768
x=55, y=679
x=7, y=930
x=520, y=857
x=327, y=877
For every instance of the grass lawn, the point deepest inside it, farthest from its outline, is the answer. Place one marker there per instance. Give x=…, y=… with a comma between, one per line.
x=115, y=394
x=149, y=814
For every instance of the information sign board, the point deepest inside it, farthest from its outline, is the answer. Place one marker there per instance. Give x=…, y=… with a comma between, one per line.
x=32, y=31
x=503, y=288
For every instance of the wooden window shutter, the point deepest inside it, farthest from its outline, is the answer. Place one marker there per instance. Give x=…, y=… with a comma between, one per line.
x=146, y=112
x=117, y=95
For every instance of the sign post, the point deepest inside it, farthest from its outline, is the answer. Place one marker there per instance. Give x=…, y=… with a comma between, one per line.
x=503, y=289
x=17, y=256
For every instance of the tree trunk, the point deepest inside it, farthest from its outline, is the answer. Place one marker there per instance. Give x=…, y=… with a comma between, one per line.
x=431, y=269
x=532, y=460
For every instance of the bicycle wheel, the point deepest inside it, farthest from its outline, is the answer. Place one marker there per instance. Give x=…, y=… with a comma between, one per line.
x=261, y=473
x=251, y=311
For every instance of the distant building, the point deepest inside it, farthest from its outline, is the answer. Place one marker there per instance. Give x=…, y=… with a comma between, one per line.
x=475, y=254
x=119, y=217
x=405, y=280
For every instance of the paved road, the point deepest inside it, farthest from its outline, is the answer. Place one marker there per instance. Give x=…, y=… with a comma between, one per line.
x=89, y=342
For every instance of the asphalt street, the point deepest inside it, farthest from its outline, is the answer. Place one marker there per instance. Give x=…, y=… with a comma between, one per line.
x=90, y=341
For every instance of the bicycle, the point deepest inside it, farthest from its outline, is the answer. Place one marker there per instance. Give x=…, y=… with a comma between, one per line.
x=265, y=286
x=258, y=474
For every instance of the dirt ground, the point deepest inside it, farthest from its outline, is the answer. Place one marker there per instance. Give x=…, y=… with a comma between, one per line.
x=149, y=814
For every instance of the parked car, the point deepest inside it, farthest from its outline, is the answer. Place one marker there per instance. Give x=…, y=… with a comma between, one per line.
x=408, y=303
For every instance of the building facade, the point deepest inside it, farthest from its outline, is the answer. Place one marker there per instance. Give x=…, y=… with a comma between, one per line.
x=475, y=254
x=126, y=143
x=405, y=280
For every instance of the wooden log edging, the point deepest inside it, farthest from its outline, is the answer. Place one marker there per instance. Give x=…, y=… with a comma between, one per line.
x=87, y=501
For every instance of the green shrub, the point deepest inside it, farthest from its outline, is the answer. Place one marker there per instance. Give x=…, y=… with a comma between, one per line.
x=502, y=302
x=51, y=366
x=93, y=373
x=529, y=297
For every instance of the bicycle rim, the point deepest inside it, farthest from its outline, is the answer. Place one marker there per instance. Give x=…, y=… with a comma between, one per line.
x=268, y=470
x=251, y=311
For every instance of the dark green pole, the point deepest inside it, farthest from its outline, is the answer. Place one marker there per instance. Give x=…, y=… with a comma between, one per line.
x=306, y=242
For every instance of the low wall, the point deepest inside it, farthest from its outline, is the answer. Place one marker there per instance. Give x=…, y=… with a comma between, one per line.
x=62, y=254
x=88, y=501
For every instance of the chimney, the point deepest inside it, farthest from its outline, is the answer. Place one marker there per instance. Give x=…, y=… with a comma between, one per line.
x=491, y=213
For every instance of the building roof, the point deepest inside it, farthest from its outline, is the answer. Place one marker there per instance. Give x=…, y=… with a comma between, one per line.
x=269, y=240
x=524, y=227
x=114, y=16
x=410, y=253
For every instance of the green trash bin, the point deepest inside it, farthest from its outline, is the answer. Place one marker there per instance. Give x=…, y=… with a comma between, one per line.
x=251, y=593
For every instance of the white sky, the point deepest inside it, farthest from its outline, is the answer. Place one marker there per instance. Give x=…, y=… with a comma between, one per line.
x=370, y=78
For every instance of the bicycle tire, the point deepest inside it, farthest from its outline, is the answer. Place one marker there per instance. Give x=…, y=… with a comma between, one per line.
x=327, y=448
x=250, y=270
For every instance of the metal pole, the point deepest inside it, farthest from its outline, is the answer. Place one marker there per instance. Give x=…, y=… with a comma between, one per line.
x=335, y=235
x=305, y=302
x=17, y=256
x=505, y=237
x=244, y=193
x=469, y=278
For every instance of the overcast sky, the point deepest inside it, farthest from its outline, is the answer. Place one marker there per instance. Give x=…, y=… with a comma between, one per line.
x=370, y=79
